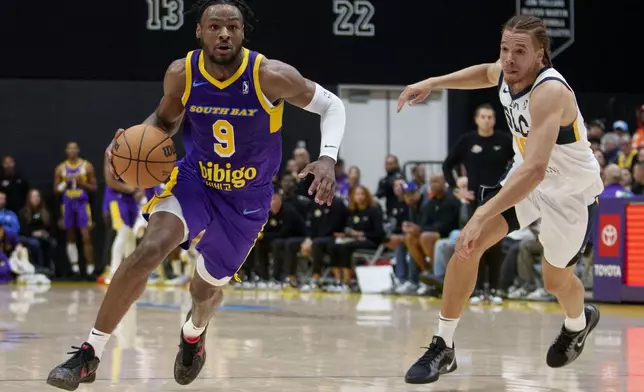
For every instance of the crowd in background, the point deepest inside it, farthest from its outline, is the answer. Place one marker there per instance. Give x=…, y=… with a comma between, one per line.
x=410, y=220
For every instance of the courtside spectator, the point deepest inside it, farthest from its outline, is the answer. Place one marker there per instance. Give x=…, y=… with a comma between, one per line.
x=364, y=230
x=13, y=185
x=8, y=219
x=35, y=226
x=612, y=183
x=637, y=187
x=638, y=135
x=386, y=184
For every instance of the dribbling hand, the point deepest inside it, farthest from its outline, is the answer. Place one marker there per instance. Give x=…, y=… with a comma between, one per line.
x=414, y=94
x=108, y=153
x=323, y=184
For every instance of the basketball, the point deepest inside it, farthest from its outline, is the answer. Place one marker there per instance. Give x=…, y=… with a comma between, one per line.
x=143, y=156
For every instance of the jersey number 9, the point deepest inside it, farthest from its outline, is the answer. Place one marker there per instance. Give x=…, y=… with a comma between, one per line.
x=224, y=133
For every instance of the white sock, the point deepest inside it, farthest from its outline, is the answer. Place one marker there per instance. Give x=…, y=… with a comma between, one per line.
x=576, y=324
x=446, y=329
x=123, y=246
x=72, y=253
x=98, y=340
x=191, y=331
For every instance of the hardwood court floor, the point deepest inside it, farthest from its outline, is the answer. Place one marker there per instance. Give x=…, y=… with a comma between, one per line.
x=269, y=342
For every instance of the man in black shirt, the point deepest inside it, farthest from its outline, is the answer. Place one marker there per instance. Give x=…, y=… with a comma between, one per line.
x=438, y=217
x=284, y=225
x=13, y=185
x=386, y=184
x=485, y=154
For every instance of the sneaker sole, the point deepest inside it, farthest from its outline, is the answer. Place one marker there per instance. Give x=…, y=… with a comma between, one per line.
x=432, y=379
x=68, y=385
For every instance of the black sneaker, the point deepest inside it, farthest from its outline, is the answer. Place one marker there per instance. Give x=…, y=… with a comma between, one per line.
x=80, y=368
x=439, y=359
x=190, y=358
x=569, y=345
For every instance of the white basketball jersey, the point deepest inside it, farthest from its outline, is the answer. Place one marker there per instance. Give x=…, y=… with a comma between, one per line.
x=572, y=167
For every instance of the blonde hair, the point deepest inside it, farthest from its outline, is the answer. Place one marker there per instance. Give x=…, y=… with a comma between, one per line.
x=536, y=28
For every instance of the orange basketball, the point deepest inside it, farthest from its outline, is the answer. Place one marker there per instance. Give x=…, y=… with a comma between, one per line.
x=143, y=156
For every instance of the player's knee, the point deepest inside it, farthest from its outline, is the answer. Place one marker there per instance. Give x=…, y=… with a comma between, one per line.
x=147, y=256
x=206, y=292
x=556, y=281
x=429, y=236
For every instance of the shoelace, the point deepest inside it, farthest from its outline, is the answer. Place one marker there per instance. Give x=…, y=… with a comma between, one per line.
x=76, y=360
x=189, y=352
x=430, y=356
x=563, y=340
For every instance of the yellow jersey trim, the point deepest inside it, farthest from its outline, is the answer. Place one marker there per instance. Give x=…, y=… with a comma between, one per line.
x=575, y=128
x=276, y=113
x=147, y=208
x=236, y=275
x=115, y=214
x=78, y=164
x=188, y=88
x=230, y=80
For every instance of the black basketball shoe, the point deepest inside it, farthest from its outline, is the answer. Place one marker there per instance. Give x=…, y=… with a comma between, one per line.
x=190, y=358
x=439, y=359
x=80, y=368
x=569, y=345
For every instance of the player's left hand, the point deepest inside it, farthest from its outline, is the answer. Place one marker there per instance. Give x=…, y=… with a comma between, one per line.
x=467, y=237
x=323, y=184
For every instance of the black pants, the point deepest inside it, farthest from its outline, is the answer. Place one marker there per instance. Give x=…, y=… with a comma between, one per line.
x=321, y=246
x=342, y=252
x=41, y=250
x=260, y=257
x=490, y=267
x=509, y=267
x=285, y=252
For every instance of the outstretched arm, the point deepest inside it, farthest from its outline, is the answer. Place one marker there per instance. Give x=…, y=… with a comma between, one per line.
x=547, y=104
x=282, y=81
x=470, y=78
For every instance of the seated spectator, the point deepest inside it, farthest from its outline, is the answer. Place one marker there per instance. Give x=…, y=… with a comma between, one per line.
x=324, y=224
x=406, y=271
x=8, y=244
x=35, y=226
x=438, y=218
x=612, y=183
x=611, y=147
x=627, y=154
x=444, y=248
x=13, y=185
x=364, y=230
x=528, y=252
x=638, y=135
x=352, y=181
x=510, y=248
x=637, y=187
x=595, y=144
x=284, y=223
x=8, y=218
x=291, y=197
x=419, y=176
x=627, y=179
x=386, y=184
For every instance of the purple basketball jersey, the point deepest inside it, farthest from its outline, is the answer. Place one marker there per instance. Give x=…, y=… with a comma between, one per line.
x=231, y=132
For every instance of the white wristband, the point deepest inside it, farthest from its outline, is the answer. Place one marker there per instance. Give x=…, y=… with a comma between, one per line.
x=332, y=120
x=61, y=187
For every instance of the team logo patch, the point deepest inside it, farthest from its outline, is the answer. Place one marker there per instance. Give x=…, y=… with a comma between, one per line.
x=476, y=149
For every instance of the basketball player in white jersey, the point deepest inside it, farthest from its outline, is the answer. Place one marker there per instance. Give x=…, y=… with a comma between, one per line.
x=554, y=177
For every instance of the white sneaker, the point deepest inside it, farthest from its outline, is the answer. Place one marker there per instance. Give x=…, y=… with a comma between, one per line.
x=406, y=288
x=539, y=295
x=477, y=299
x=309, y=287
x=423, y=289
x=178, y=281
x=496, y=300
x=261, y=285
x=519, y=293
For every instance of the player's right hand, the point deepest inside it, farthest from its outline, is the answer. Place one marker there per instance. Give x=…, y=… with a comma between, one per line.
x=414, y=94
x=108, y=153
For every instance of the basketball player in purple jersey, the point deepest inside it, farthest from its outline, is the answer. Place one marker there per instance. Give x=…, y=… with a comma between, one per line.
x=231, y=101
x=123, y=205
x=73, y=180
